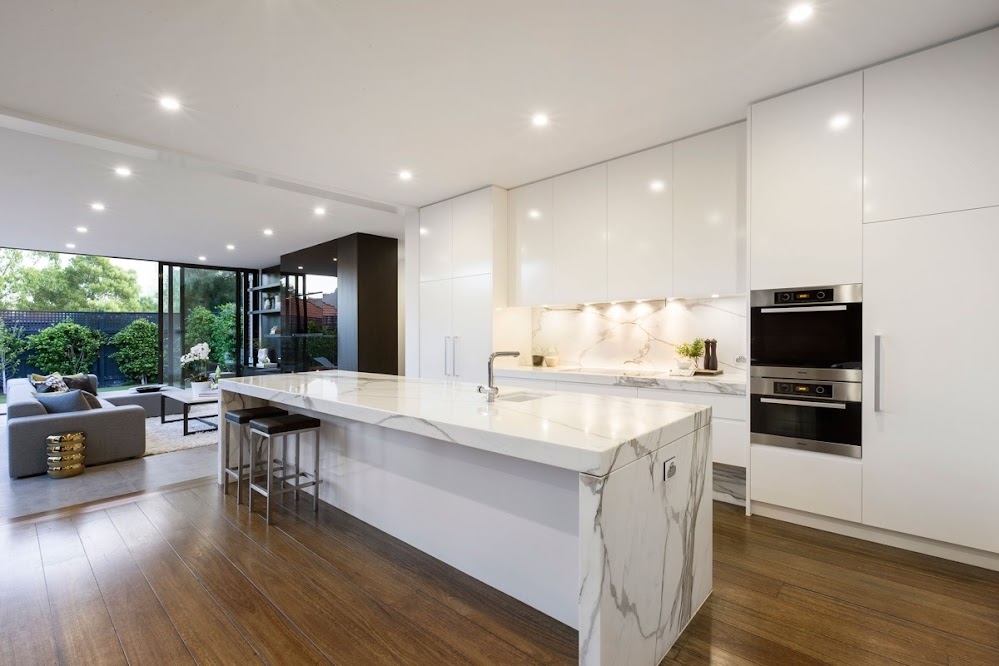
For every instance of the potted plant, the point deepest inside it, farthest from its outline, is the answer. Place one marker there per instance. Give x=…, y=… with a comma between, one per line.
x=689, y=352
x=196, y=362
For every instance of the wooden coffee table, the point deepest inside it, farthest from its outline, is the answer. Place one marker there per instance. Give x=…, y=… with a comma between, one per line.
x=187, y=399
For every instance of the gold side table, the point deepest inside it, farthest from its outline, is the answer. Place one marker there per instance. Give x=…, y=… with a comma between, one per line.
x=65, y=454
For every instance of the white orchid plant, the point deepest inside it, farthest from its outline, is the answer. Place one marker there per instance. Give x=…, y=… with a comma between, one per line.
x=196, y=362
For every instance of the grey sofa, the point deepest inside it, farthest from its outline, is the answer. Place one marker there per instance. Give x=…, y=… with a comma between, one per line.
x=113, y=433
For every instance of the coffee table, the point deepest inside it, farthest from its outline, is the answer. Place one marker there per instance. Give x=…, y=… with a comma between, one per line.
x=187, y=399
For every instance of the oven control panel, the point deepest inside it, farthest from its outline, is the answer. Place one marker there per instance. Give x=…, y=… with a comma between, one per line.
x=804, y=296
x=809, y=390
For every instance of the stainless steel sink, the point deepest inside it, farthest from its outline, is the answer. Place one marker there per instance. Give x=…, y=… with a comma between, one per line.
x=520, y=397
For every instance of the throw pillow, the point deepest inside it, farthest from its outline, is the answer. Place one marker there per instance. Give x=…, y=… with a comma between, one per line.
x=62, y=403
x=81, y=381
x=56, y=384
x=92, y=400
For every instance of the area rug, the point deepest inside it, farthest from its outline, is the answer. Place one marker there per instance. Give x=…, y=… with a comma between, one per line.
x=167, y=437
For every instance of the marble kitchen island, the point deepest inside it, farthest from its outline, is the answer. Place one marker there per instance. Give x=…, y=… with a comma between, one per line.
x=592, y=509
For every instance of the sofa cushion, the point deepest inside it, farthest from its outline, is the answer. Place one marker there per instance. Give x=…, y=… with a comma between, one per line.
x=49, y=384
x=81, y=381
x=60, y=403
x=92, y=400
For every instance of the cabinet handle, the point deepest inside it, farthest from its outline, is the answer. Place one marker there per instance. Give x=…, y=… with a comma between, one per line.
x=878, y=355
x=447, y=343
x=804, y=403
x=454, y=357
x=807, y=308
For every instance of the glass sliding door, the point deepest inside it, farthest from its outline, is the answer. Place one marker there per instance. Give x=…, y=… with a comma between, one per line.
x=201, y=305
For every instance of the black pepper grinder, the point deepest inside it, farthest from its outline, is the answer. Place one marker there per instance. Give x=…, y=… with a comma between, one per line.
x=711, y=355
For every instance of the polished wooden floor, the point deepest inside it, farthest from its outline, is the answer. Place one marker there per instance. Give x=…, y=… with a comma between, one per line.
x=188, y=576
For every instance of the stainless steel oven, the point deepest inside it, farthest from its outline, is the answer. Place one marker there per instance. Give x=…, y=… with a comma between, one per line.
x=821, y=416
x=812, y=333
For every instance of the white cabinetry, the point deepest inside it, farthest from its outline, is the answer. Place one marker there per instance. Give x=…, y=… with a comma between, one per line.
x=729, y=427
x=580, y=235
x=931, y=142
x=532, y=244
x=806, y=195
x=709, y=213
x=640, y=225
x=813, y=482
x=930, y=453
x=462, y=279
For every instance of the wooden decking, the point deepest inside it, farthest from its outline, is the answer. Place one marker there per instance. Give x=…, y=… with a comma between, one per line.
x=186, y=576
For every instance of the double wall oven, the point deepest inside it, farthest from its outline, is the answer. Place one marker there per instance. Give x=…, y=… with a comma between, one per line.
x=805, y=368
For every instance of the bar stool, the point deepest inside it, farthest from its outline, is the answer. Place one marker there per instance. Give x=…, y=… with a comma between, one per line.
x=241, y=419
x=283, y=427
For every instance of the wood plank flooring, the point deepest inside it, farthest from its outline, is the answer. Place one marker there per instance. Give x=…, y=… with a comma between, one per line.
x=187, y=576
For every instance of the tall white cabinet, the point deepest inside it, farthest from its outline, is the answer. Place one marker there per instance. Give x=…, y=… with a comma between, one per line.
x=462, y=279
x=806, y=186
x=580, y=234
x=931, y=141
x=931, y=453
x=532, y=243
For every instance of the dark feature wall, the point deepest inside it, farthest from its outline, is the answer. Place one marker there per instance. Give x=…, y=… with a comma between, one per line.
x=367, y=302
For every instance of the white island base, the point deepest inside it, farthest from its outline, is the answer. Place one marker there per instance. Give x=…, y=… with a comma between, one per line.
x=623, y=556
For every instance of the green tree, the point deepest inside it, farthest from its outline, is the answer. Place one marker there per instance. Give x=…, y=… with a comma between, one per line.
x=11, y=277
x=222, y=339
x=321, y=342
x=198, y=327
x=85, y=284
x=209, y=288
x=67, y=348
x=138, y=350
x=12, y=345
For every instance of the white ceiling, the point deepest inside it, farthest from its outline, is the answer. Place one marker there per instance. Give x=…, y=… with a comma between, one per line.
x=162, y=212
x=342, y=95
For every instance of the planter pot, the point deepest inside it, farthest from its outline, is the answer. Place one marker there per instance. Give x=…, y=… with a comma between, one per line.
x=197, y=388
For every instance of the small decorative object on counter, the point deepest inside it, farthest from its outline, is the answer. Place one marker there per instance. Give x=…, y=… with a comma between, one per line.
x=691, y=350
x=551, y=357
x=66, y=454
x=711, y=354
x=537, y=357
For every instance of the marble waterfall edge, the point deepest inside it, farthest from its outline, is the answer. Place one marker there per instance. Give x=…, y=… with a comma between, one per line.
x=645, y=553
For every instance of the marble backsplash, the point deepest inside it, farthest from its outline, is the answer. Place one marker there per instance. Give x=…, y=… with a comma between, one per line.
x=641, y=335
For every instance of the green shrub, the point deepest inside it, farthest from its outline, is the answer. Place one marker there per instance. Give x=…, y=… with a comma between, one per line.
x=222, y=338
x=12, y=345
x=67, y=348
x=138, y=351
x=198, y=326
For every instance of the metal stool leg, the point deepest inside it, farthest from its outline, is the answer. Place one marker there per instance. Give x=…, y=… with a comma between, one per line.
x=225, y=462
x=298, y=461
x=315, y=471
x=239, y=461
x=253, y=469
x=270, y=477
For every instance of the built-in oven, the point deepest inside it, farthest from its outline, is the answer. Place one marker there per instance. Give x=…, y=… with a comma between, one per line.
x=822, y=416
x=812, y=333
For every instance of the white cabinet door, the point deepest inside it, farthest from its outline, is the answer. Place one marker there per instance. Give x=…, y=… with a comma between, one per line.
x=931, y=130
x=813, y=482
x=931, y=454
x=435, y=241
x=472, y=234
x=472, y=327
x=531, y=228
x=435, y=329
x=580, y=201
x=709, y=213
x=806, y=217
x=640, y=225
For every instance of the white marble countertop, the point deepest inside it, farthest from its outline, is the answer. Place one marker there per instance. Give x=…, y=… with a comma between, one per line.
x=585, y=433
x=733, y=383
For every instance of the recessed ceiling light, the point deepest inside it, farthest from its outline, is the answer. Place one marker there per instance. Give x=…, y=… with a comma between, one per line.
x=405, y=174
x=71, y=245
x=424, y=231
x=170, y=103
x=657, y=186
x=301, y=268
x=82, y=230
x=334, y=258
x=534, y=213
x=123, y=171
x=540, y=120
x=268, y=232
x=230, y=246
x=319, y=211
x=97, y=205
x=715, y=295
x=839, y=122
x=202, y=258
x=800, y=13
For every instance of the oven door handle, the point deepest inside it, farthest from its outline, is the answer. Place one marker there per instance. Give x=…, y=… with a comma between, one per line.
x=804, y=403
x=804, y=308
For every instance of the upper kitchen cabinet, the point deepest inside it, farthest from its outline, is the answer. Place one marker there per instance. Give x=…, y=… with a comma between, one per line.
x=709, y=213
x=805, y=191
x=931, y=143
x=532, y=260
x=640, y=225
x=456, y=236
x=580, y=235
x=435, y=241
